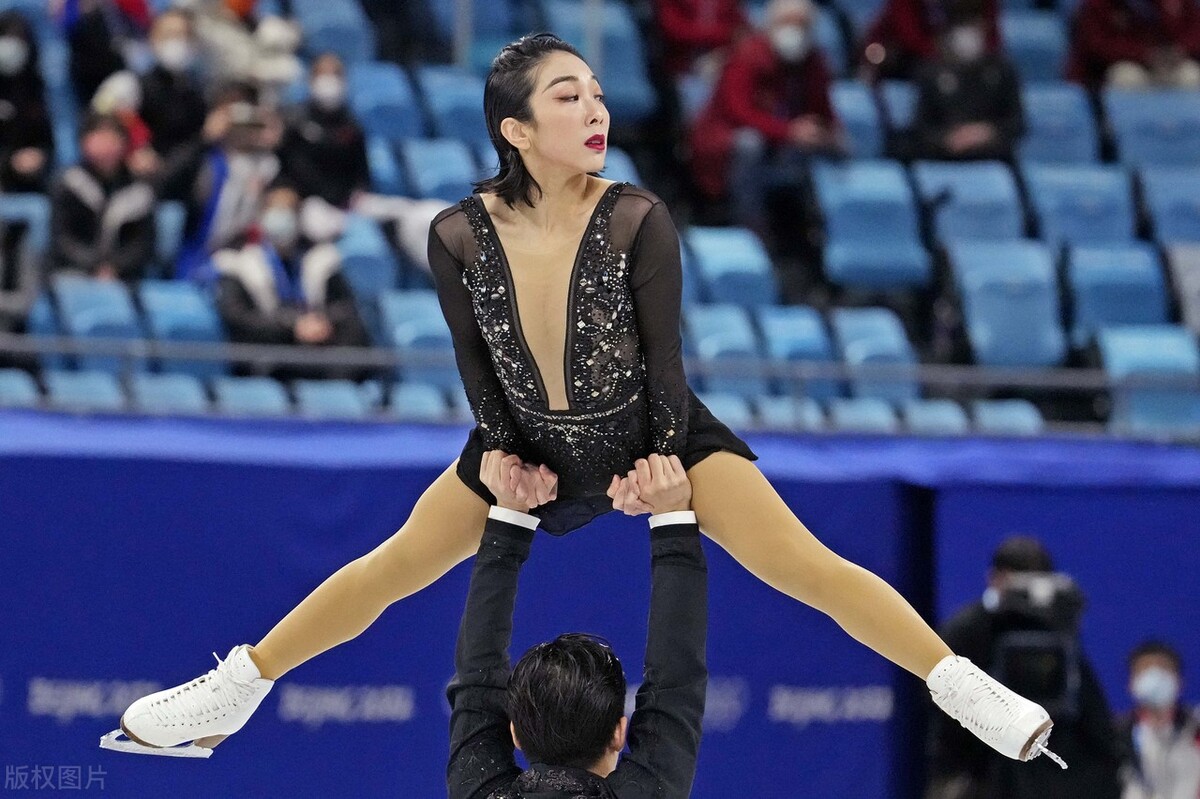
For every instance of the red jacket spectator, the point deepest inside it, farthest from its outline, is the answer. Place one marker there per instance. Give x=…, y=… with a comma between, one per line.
x=691, y=28
x=759, y=90
x=1109, y=31
x=905, y=34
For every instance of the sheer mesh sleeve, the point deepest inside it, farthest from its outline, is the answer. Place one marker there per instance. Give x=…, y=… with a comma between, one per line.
x=484, y=392
x=657, y=281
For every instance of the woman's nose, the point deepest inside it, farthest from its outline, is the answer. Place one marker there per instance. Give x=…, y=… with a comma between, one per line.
x=595, y=110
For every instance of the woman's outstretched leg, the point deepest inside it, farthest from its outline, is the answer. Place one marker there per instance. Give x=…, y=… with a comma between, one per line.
x=741, y=511
x=442, y=531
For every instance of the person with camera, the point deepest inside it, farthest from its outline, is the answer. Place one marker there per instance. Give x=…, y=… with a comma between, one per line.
x=1025, y=631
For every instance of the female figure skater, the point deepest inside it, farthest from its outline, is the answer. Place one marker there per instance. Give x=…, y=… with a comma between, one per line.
x=562, y=291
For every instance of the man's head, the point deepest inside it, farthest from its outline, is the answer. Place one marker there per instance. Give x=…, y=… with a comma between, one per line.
x=279, y=221
x=566, y=700
x=1018, y=554
x=103, y=141
x=789, y=27
x=173, y=39
x=1155, y=675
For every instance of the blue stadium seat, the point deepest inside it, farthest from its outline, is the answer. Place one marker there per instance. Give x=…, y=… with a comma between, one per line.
x=732, y=409
x=42, y=322
x=338, y=26
x=413, y=323
x=1059, y=125
x=1145, y=352
x=618, y=166
x=935, y=417
x=862, y=415
x=1010, y=302
x=31, y=210
x=855, y=107
x=694, y=92
x=861, y=14
x=369, y=265
x=870, y=337
x=795, y=333
x=455, y=102
x=177, y=310
x=790, y=413
x=871, y=226
x=1114, y=285
x=330, y=399
x=721, y=336
x=970, y=201
x=83, y=391
x=1082, y=204
x=1008, y=417
x=733, y=265
x=250, y=396
x=169, y=219
x=97, y=309
x=383, y=101
x=440, y=168
x=167, y=394
x=17, y=389
x=386, y=175
x=1184, y=262
x=898, y=102
x=1172, y=196
x=418, y=402
x=1154, y=128
x=1036, y=41
x=494, y=23
x=622, y=63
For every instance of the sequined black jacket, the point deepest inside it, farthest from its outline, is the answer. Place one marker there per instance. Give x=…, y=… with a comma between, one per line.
x=626, y=389
x=664, y=731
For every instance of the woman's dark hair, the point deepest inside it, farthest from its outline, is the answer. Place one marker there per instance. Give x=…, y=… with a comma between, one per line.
x=565, y=698
x=506, y=94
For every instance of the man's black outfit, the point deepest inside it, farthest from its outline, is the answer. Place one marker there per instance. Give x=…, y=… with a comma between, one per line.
x=664, y=733
x=324, y=153
x=174, y=109
x=953, y=93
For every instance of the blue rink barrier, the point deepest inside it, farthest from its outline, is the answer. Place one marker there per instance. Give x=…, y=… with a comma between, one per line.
x=132, y=548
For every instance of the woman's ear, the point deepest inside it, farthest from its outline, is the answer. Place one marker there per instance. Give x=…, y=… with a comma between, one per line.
x=517, y=133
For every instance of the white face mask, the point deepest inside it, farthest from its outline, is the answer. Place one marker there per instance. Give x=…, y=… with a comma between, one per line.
x=1156, y=688
x=280, y=227
x=175, y=54
x=791, y=42
x=328, y=91
x=967, y=42
x=14, y=55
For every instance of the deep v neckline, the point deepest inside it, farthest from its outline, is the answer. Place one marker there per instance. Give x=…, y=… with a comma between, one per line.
x=506, y=268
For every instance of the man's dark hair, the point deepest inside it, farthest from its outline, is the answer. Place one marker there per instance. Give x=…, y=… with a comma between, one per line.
x=1021, y=553
x=510, y=84
x=565, y=698
x=1156, y=648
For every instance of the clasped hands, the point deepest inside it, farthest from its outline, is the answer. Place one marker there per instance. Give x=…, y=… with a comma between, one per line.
x=656, y=484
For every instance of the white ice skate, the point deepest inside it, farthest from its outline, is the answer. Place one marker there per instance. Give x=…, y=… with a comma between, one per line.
x=1001, y=718
x=190, y=719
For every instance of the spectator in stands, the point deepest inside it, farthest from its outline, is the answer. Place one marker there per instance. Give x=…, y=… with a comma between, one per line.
x=1136, y=43
x=1161, y=736
x=324, y=150
x=101, y=217
x=691, y=29
x=236, y=170
x=906, y=34
x=173, y=105
x=120, y=95
x=769, y=112
x=968, y=100
x=276, y=289
x=20, y=279
x=26, y=140
x=239, y=46
x=102, y=36
x=1043, y=658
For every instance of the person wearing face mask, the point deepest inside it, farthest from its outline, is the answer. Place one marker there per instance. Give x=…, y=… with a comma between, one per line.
x=101, y=217
x=907, y=34
x=1036, y=646
x=1161, y=736
x=968, y=100
x=1135, y=44
x=173, y=105
x=770, y=111
x=277, y=289
x=104, y=37
x=26, y=139
x=324, y=151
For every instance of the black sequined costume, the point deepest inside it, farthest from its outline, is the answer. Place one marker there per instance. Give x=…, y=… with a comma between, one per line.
x=626, y=391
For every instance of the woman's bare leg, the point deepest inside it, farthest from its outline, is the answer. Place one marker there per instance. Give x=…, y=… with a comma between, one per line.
x=443, y=530
x=738, y=508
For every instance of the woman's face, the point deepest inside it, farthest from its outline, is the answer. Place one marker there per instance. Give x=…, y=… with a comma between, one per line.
x=570, y=122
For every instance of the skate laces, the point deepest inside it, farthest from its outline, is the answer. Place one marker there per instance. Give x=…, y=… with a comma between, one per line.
x=210, y=693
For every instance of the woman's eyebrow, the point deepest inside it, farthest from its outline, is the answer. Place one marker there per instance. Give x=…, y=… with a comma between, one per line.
x=564, y=78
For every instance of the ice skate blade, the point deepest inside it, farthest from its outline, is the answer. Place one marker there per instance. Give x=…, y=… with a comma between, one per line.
x=119, y=742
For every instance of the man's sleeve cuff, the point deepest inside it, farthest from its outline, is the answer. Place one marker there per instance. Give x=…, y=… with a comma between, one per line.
x=673, y=517
x=514, y=517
